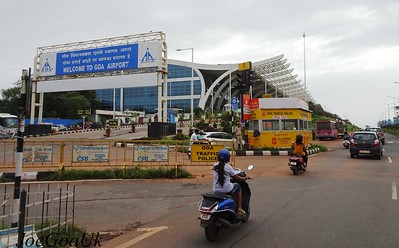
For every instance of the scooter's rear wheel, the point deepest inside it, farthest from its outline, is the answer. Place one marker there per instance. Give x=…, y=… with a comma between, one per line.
x=212, y=231
x=247, y=212
x=295, y=171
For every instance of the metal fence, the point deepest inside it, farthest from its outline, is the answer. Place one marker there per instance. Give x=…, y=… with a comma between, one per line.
x=107, y=153
x=43, y=208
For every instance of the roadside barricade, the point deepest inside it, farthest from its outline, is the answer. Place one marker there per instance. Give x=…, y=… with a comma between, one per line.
x=58, y=154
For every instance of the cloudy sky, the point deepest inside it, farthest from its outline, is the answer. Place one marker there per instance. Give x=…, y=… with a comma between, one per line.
x=352, y=47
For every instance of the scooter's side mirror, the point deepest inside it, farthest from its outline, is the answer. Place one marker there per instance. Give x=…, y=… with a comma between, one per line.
x=250, y=167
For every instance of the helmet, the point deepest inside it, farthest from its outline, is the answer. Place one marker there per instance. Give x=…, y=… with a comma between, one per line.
x=224, y=156
x=299, y=137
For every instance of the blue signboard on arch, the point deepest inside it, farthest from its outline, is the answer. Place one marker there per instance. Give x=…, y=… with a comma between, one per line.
x=97, y=60
x=102, y=59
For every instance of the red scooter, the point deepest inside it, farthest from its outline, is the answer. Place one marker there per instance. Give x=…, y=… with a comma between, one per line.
x=296, y=164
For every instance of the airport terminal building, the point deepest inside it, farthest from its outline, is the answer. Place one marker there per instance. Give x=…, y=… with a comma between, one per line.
x=211, y=87
x=134, y=73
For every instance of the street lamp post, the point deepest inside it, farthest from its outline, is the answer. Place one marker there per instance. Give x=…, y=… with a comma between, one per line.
x=212, y=104
x=394, y=105
x=387, y=108
x=192, y=82
x=304, y=65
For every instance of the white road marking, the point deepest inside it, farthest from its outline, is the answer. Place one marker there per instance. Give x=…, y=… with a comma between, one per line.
x=390, y=160
x=149, y=231
x=394, y=192
x=390, y=142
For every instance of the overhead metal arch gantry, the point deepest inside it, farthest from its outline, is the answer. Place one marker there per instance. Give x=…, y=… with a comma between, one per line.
x=279, y=78
x=275, y=78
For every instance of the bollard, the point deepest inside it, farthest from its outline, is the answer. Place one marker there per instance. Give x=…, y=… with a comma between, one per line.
x=21, y=221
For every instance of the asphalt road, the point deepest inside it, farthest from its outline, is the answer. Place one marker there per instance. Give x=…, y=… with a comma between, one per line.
x=338, y=202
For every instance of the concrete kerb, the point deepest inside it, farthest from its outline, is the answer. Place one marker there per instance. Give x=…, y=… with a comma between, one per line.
x=29, y=176
x=272, y=153
x=244, y=152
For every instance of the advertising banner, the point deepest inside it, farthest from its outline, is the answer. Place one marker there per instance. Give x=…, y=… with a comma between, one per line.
x=280, y=114
x=90, y=153
x=122, y=57
x=254, y=103
x=37, y=154
x=247, y=113
x=277, y=139
x=150, y=153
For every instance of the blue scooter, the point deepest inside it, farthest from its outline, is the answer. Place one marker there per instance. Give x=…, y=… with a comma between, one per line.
x=218, y=211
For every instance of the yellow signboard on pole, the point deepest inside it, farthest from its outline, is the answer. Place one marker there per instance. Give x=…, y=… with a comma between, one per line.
x=205, y=153
x=245, y=66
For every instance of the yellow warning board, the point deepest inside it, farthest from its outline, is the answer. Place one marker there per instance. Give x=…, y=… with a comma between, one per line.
x=205, y=153
x=245, y=66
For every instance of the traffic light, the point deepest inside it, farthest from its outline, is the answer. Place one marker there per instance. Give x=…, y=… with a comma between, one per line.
x=251, y=78
x=241, y=88
x=241, y=81
x=241, y=78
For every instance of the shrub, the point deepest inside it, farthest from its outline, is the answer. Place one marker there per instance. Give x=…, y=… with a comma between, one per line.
x=129, y=173
x=321, y=147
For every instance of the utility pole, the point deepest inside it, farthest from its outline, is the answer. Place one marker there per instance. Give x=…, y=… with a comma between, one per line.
x=304, y=66
x=24, y=105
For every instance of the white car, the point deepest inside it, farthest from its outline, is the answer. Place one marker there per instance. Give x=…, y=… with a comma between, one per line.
x=221, y=138
x=61, y=127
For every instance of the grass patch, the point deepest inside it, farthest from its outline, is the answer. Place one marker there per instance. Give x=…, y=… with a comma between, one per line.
x=129, y=173
x=321, y=147
x=4, y=179
x=392, y=129
x=65, y=236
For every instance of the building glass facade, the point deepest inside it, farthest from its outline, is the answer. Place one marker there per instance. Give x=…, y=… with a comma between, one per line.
x=106, y=97
x=146, y=98
x=217, y=81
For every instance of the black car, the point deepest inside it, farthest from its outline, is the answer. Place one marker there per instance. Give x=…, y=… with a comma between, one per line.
x=367, y=144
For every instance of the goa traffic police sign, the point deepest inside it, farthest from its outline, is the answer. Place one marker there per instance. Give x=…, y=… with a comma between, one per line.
x=205, y=153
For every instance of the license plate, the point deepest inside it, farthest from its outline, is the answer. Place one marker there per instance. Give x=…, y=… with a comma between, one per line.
x=364, y=151
x=292, y=163
x=205, y=216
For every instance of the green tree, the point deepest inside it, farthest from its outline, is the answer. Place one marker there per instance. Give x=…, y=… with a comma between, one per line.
x=9, y=101
x=61, y=105
x=198, y=113
x=91, y=95
x=226, y=121
x=66, y=105
x=74, y=102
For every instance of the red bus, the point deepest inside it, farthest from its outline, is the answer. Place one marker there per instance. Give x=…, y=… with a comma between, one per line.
x=326, y=129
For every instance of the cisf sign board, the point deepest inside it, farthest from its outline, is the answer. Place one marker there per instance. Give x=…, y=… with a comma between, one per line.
x=104, y=59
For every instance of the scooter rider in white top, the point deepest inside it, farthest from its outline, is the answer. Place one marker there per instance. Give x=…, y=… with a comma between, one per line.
x=222, y=172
